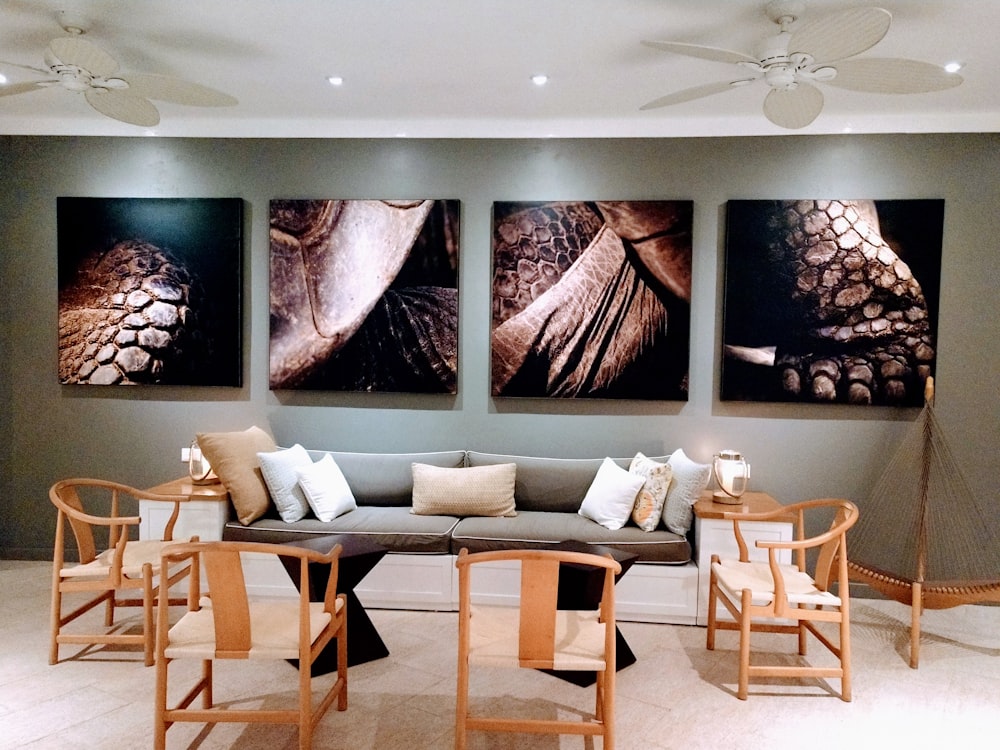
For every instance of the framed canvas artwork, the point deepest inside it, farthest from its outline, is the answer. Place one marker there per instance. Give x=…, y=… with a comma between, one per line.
x=150, y=291
x=364, y=295
x=831, y=301
x=591, y=299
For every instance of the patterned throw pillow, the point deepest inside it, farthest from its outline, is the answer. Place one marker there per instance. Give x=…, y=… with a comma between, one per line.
x=649, y=502
x=471, y=491
x=690, y=478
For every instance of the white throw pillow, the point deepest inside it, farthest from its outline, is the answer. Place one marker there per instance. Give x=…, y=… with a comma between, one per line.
x=611, y=496
x=280, y=472
x=326, y=490
x=689, y=479
x=648, y=509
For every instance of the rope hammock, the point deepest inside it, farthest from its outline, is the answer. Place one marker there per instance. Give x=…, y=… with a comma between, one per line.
x=944, y=550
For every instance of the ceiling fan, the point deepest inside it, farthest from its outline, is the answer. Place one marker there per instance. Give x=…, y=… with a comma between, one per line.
x=792, y=61
x=76, y=65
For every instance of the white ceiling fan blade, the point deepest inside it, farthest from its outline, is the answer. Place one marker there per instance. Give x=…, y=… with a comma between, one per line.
x=892, y=75
x=22, y=88
x=793, y=108
x=696, y=92
x=701, y=52
x=120, y=105
x=175, y=90
x=33, y=69
x=72, y=50
x=841, y=35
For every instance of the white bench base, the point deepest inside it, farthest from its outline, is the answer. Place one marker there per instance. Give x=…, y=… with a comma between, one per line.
x=646, y=593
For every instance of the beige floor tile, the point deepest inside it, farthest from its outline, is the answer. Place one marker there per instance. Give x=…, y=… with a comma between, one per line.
x=678, y=696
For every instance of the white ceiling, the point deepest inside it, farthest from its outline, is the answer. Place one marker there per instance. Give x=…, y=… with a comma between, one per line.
x=462, y=68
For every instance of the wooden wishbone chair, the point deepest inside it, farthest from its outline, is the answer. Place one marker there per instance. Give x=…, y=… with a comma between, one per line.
x=537, y=635
x=787, y=598
x=111, y=565
x=226, y=624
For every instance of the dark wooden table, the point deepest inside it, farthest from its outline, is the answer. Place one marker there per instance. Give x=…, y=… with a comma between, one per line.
x=358, y=557
x=581, y=587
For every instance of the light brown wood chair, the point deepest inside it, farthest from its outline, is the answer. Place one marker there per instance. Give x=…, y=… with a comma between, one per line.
x=226, y=624
x=786, y=598
x=537, y=635
x=113, y=568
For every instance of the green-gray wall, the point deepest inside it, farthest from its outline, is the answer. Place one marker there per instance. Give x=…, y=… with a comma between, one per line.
x=135, y=434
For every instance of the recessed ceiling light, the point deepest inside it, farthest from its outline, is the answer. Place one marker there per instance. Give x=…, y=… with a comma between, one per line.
x=953, y=67
x=3, y=79
x=335, y=80
x=539, y=79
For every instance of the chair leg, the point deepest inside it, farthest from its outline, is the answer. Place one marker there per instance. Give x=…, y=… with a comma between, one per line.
x=109, y=611
x=305, y=704
x=342, y=664
x=55, y=618
x=744, y=677
x=462, y=705
x=148, y=596
x=713, y=595
x=845, y=657
x=608, y=708
x=160, y=709
x=599, y=702
x=208, y=700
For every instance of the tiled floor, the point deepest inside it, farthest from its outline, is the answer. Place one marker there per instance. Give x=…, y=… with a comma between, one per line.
x=678, y=695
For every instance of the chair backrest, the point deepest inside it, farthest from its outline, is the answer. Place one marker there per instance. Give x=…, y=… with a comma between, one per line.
x=66, y=497
x=539, y=594
x=230, y=604
x=834, y=547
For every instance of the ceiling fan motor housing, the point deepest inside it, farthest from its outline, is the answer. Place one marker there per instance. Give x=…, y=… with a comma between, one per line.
x=784, y=12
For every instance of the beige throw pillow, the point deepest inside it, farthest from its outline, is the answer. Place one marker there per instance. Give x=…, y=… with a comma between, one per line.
x=233, y=456
x=472, y=491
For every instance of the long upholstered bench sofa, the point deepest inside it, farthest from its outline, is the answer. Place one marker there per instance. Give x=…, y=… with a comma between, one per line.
x=422, y=507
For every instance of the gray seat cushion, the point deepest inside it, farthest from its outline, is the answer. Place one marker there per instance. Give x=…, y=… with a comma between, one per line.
x=395, y=528
x=536, y=529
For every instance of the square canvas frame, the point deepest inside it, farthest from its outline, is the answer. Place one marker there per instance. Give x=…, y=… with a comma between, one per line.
x=831, y=300
x=591, y=299
x=364, y=295
x=150, y=291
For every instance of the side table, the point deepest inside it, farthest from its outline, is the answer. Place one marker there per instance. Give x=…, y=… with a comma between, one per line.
x=714, y=536
x=204, y=514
